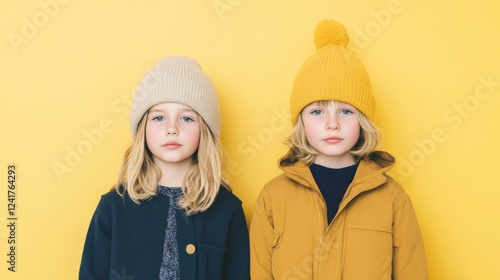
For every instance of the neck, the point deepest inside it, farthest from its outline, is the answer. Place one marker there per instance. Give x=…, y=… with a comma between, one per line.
x=173, y=174
x=335, y=162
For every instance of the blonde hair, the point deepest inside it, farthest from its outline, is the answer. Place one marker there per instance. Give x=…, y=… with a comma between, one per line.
x=139, y=176
x=300, y=149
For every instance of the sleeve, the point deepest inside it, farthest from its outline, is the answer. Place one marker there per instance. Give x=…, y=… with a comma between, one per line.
x=237, y=258
x=409, y=261
x=261, y=239
x=96, y=251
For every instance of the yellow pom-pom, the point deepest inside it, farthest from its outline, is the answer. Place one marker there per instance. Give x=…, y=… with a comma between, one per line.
x=330, y=32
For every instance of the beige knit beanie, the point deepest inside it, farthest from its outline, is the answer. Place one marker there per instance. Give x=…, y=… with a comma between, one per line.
x=177, y=79
x=332, y=73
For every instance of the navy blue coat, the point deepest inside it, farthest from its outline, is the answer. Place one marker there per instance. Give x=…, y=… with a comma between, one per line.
x=125, y=240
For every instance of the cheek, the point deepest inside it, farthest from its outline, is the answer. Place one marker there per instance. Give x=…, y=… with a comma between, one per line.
x=149, y=137
x=310, y=129
x=355, y=129
x=194, y=134
x=151, y=134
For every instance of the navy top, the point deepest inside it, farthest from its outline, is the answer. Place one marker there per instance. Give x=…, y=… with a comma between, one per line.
x=125, y=240
x=333, y=183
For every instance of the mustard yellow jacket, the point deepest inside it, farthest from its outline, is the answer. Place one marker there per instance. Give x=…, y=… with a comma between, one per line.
x=375, y=234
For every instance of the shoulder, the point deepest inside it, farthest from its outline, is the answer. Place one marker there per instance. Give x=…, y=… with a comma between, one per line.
x=277, y=181
x=114, y=198
x=395, y=191
x=110, y=204
x=297, y=174
x=394, y=186
x=284, y=189
x=296, y=178
x=277, y=184
x=375, y=171
x=114, y=201
x=112, y=195
x=227, y=198
x=226, y=207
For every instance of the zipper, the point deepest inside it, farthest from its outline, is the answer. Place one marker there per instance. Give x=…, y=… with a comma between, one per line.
x=323, y=229
x=320, y=251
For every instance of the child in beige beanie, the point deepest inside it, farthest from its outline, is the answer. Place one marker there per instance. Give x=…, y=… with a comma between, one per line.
x=171, y=214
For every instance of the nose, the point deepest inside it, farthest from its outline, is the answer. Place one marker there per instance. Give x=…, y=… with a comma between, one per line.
x=171, y=129
x=332, y=123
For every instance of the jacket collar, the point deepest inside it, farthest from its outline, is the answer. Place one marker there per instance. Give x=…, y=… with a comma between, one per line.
x=370, y=173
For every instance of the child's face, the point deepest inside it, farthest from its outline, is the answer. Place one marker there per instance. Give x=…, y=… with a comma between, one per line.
x=172, y=133
x=332, y=129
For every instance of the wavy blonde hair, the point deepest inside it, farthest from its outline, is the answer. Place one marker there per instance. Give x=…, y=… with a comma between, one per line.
x=139, y=176
x=300, y=149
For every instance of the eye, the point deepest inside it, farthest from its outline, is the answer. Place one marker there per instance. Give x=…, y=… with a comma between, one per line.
x=346, y=112
x=316, y=112
x=187, y=119
x=158, y=118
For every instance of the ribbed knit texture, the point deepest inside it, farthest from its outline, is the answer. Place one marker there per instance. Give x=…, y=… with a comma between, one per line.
x=332, y=74
x=333, y=183
x=177, y=79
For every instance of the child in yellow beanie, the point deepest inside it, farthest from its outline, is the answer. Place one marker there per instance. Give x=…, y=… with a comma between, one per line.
x=334, y=213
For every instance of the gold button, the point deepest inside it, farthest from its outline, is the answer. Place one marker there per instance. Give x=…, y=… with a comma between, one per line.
x=190, y=249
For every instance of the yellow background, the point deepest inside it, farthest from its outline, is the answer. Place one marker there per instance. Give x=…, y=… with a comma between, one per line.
x=69, y=69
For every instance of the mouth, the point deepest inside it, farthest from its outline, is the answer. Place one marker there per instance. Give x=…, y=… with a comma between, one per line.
x=332, y=140
x=171, y=145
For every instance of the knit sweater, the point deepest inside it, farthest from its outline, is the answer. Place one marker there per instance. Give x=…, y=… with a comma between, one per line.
x=333, y=183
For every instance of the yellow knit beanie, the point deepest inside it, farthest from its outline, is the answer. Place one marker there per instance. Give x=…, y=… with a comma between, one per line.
x=332, y=74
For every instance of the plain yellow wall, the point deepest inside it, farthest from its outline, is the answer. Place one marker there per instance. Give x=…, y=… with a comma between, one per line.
x=69, y=69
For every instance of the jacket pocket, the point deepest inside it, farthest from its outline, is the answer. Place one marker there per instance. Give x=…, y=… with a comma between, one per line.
x=211, y=264
x=368, y=253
